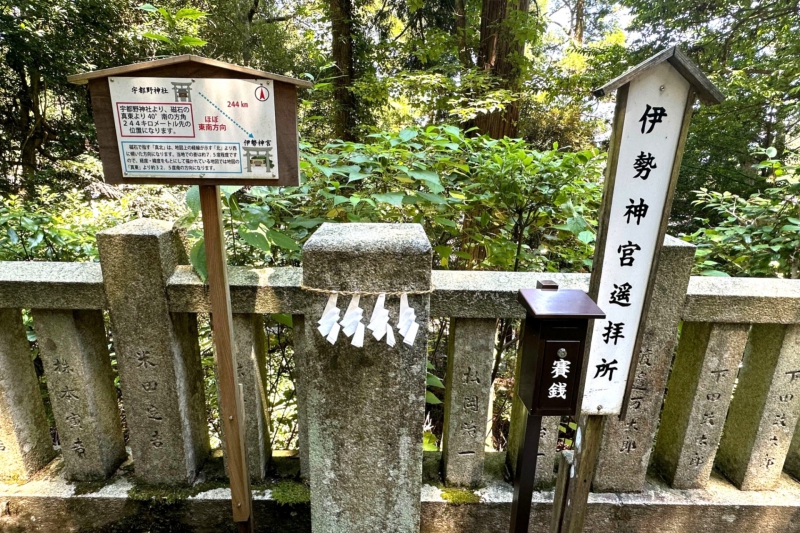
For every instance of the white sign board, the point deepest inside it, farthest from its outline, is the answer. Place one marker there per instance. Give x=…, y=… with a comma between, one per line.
x=195, y=128
x=649, y=141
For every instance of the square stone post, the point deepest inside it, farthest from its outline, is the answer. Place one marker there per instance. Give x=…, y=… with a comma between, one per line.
x=467, y=398
x=74, y=351
x=250, y=344
x=158, y=356
x=764, y=410
x=300, y=388
x=25, y=443
x=627, y=444
x=698, y=397
x=365, y=406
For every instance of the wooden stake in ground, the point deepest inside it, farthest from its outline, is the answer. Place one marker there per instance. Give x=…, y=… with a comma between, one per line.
x=231, y=407
x=654, y=106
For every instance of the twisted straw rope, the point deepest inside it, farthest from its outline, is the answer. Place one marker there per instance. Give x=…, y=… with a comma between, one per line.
x=365, y=293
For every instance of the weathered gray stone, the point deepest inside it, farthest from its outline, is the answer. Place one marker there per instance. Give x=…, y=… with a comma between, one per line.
x=743, y=300
x=366, y=477
x=301, y=388
x=548, y=439
x=51, y=285
x=25, y=443
x=627, y=444
x=467, y=398
x=250, y=345
x=764, y=410
x=698, y=397
x=158, y=357
x=74, y=352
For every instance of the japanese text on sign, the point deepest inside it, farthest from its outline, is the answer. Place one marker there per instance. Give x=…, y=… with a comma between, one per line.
x=648, y=145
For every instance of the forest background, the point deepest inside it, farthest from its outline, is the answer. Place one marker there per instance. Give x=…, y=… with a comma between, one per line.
x=472, y=117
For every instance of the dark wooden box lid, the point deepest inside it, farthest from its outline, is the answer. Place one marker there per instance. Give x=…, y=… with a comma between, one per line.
x=562, y=303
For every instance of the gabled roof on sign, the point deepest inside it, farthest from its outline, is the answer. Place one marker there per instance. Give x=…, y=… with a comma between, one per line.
x=188, y=58
x=706, y=91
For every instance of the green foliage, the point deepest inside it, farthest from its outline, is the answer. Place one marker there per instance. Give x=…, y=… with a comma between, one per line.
x=755, y=236
x=485, y=204
x=456, y=496
x=291, y=493
x=176, y=32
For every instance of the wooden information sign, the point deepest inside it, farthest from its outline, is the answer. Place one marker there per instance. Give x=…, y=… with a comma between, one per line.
x=196, y=121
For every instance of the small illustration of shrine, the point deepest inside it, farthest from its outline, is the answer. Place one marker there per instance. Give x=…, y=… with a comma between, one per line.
x=257, y=158
x=182, y=90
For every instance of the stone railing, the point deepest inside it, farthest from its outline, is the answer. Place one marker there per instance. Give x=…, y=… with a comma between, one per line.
x=727, y=397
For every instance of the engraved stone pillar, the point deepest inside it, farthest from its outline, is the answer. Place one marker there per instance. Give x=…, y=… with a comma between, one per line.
x=365, y=406
x=625, y=450
x=25, y=443
x=157, y=352
x=548, y=439
x=467, y=398
x=74, y=352
x=764, y=410
x=250, y=345
x=300, y=388
x=698, y=397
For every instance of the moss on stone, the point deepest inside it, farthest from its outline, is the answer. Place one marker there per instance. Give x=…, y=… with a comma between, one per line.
x=460, y=496
x=89, y=487
x=290, y=493
x=170, y=493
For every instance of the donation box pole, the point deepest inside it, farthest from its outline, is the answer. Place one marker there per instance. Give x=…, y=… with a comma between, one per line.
x=551, y=353
x=189, y=120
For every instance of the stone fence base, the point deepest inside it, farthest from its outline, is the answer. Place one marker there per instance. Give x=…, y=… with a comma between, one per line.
x=50, y=504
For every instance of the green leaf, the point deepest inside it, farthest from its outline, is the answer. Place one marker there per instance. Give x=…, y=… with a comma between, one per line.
x=282, y=318
x=12, y=236
x=429, y=365
x=430, y=178
x=586, y=237
x=432, y=198
x=157, y=37
x=197, y=257
x=772, y=152
x=148, y=7
x=256, y=238
x=717, y=273
x=429, y=442
x=193, y=199
x=407, y=134
x=190, y=13
x=229, y=190
x=431, y=398
x=433, y=381
x=393, y=198
x=188, y=40
x=282, y=240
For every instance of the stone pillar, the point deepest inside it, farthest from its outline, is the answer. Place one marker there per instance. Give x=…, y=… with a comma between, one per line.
x=764, y=410
x=627, y=444
x=25, y=443
x=300, y=388
x=250, y=345
x=698, y=397
x=74, y=352
x=467, y=398
x=365, y=406
x=158, y=357
x=548, y=440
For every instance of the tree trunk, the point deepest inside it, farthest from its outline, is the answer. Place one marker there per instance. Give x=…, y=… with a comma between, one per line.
x=461, y=33
x=341, y=15
x=500, y=54
x=580, y=21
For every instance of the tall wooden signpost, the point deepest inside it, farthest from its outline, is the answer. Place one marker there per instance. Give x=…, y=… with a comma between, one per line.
x=651, y=121
x=188, y=120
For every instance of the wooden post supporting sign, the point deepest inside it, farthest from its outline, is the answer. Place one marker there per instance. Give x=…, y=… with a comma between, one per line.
x=653, y=110
x=189, y=120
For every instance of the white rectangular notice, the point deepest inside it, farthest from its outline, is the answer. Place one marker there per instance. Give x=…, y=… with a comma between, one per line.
x=195, y=128
x=649, y=142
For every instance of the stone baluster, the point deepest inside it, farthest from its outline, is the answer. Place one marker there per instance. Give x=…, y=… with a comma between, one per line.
x=764, y=411
x=627, y=444
x=300, y=388
x=699, y=393
x=366, y=406
x=25, y=442
x=158, y=356
x=74, y=352
x=467, y=399
x=250, y=345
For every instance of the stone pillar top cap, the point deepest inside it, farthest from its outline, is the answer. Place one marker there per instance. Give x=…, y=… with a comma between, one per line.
x=378, y=238
x=140, y=226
